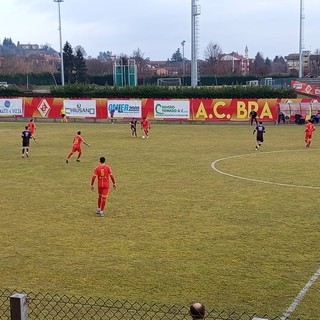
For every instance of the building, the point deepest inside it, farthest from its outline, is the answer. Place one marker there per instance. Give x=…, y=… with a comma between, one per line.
x=235, y=63
x=293, y=62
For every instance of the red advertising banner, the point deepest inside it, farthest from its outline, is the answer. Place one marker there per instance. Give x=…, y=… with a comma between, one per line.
x=236, y=110
x=305, y=88
x=233, y=109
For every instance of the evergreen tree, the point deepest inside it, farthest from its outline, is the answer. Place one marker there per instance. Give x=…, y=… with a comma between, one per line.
x=268, y=65
x=176, y=56
x=68, y=61
x=7, y=42
x=80, y=68
x=259, y=65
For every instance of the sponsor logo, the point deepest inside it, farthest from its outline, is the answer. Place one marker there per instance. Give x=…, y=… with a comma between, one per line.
x=168, y=109
x=308, y=89
x=44, y=108
x=80, y=110
x=123, y=107
x=297, y=86
x=10, y=107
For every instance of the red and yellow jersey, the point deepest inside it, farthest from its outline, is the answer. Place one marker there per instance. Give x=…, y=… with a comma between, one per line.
x=77, y=140
x=103, y=173
x=145, y=124
x=309, y=128
x=31, y=127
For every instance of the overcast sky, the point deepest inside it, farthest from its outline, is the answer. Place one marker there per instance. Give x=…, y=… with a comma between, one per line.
x=157, y=27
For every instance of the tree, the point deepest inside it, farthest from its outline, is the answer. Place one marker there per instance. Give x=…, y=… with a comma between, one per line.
x=99, y=67
x=141, y=62
x=268, y=65
x=315, y=63
x=82, y=50
x=80, y=68
x=104, y=56
x=279, y=65
x=211, y=55
x=8, y=42
x=259, y=66
x=176, y=56
x=124, y=59
x=68, y=61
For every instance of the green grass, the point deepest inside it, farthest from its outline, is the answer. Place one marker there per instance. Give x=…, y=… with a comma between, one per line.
x=175, y=230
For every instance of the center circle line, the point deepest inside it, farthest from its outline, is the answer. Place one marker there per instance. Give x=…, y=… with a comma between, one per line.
x=213, y=166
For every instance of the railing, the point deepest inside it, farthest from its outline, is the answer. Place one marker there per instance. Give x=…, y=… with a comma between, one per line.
x=55, y=307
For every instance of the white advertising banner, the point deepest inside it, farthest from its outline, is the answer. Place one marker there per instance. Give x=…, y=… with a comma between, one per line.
x=11, y=107
x=171, y=109
x=80, y=108
x=124, y=108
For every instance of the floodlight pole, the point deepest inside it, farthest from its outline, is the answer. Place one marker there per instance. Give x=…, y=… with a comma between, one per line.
x=61, y=51
x=183, y=62
x=301, y=40
x=195, y=12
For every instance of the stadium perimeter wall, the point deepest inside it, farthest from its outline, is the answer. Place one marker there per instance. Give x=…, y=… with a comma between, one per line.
x=202, y=110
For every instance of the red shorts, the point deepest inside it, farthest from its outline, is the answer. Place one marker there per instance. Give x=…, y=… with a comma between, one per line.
x=76, y=149
x=103, y=191
x=308, y=136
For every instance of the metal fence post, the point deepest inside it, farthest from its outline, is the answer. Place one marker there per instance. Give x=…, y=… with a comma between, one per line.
x=18, y=307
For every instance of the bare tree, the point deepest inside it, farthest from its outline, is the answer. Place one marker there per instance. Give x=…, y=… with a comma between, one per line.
x=141, y=62
x=98, y=67
x=315, y=63
x=211, y=55
x=35, y=64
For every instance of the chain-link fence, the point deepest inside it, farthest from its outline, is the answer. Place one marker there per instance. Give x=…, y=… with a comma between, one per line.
x=56, y=307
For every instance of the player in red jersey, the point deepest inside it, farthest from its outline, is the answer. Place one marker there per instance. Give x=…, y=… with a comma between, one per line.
x=145, y=126
x=32, y=128
x=103, y=173
x=76, y=147
x=310, y=128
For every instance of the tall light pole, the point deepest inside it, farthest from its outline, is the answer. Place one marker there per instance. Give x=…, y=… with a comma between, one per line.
x=183, y=62
x=301, y=40
x=60, y=34
x=195, y=12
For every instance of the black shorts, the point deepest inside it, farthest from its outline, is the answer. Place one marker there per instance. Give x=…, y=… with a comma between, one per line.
x=63, y=115
x=260, y=137
x=25, y=143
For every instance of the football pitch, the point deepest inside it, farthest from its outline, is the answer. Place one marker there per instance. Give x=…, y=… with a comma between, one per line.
x=198, y=215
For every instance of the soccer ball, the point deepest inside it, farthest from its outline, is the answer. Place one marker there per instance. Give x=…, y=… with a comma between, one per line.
x=143, y=137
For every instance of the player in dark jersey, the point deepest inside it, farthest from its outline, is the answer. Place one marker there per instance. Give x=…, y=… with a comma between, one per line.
x=133, y=127
x=253, y=117
x=260, y=129
x=26, y=136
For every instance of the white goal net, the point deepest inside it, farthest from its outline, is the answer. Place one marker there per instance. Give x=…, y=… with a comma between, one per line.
x=169, y=82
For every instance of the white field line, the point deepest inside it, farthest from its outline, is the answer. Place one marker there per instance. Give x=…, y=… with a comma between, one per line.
x=316, y=275
x=300, y=295
x=213, y=166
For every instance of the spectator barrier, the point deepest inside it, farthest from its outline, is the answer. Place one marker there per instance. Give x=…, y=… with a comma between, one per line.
x=60, y=307
x=207, y=110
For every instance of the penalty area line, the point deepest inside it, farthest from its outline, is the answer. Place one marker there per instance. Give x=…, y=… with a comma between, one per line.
x=300, y=295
